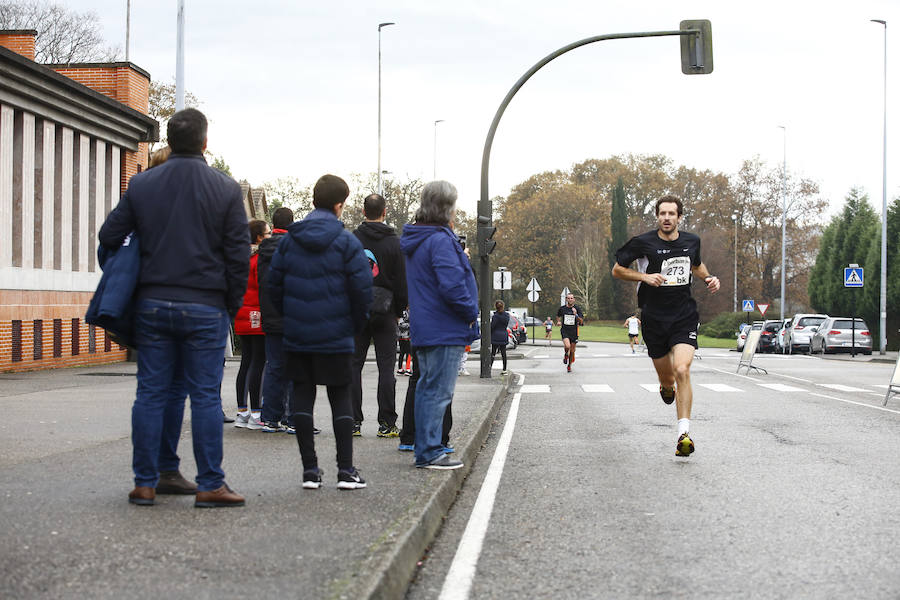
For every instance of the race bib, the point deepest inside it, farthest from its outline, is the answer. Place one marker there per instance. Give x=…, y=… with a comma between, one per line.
x=568, y=319
x=676, y=270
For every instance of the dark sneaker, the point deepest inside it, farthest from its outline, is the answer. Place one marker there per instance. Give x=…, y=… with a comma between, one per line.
x=566, y=358
x=267, y=426
x=173, y=482
x=444, y=463
x=685, y=445
x=350, y=480
x=287, y=427
x=406, y=447
x=357, y=427
x=568, y=368
x=388, y=431
x=668, y=394
x=312, y=479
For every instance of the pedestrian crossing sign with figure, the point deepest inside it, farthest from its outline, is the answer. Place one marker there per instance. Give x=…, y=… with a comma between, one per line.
x=853, y=277
x=747, y=306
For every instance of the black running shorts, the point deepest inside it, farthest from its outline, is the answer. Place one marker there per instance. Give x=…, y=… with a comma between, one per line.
x=572, y=334
x=662, y=336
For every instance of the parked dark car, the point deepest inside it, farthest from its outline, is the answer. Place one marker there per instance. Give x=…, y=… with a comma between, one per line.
x=769, y=336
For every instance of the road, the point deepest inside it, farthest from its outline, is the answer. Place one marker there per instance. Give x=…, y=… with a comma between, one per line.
x=792, y=492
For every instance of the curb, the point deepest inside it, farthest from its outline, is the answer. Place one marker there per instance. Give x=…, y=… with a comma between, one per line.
x=393, y=558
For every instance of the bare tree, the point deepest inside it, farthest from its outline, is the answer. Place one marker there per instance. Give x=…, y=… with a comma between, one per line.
x=288, y=191
x=63, y=36
x=584, y=261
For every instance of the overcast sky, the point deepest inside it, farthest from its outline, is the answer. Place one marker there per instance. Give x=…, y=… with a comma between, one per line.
x=291, y=87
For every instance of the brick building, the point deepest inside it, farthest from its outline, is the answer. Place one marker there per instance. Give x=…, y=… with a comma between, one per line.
x=71, y=136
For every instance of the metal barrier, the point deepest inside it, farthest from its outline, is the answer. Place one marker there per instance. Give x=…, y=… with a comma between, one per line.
x=749, y=352
x=894, y=386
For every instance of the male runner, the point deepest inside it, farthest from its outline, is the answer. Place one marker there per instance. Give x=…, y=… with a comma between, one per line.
x=568, y=318
x=667, y=259
x=634, y=329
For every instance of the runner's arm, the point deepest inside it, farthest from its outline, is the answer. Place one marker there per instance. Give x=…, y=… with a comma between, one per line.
x=712, y=282
x=628, y=274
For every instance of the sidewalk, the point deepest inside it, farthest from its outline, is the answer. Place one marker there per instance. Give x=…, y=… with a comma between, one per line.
x=68, y=530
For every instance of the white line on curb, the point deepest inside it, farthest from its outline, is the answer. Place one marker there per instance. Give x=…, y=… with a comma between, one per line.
x=462, y=571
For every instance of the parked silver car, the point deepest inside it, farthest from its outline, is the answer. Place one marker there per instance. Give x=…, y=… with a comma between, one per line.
x=797, y=336
x=835, y=334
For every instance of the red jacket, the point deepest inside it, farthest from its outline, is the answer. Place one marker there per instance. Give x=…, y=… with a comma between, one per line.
x=248, y=320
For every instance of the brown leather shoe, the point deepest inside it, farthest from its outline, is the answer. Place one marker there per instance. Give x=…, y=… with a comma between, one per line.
x=142, y=496
x=172, y=482
x=224, y=496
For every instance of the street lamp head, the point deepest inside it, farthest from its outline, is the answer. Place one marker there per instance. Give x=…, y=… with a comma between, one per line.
x=439, y=121
x=734, y=216
x=380, y=25
x=879, y=21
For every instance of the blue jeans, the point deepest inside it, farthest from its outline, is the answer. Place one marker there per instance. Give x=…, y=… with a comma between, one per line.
x=438, y=367
x=275, y=392
x=172, y=338
x=173, y=417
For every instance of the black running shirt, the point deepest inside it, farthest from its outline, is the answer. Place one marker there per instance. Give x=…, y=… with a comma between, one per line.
x=672, y=300
x=569, y=318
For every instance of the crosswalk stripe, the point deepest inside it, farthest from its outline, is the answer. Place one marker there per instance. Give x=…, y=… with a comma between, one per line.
x=780, y=387
x=651, y=387
x=881, y=385
x=719, y=387
x=598, y=388
x=842, y=388
x=535, y=389
x=541, y=356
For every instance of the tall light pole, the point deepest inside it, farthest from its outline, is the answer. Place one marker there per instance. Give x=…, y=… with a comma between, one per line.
x=127, y=29
x=734, y=217
x=380, y=25
x=783, y=213
x=883, y=298
x=179, y=58
x=434, y=173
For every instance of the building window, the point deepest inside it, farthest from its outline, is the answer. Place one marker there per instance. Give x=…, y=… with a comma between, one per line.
x=57, y=338
x=17, y=341
x=92, y=339
x=38, y=338
x=76, y=343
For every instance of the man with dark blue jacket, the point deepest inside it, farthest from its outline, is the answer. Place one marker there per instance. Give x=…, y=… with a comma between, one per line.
x=321, y=283
x=443, y=310
x=194, y=265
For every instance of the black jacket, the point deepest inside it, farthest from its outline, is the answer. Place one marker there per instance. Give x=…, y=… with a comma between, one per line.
x=195, y=246
x=272, y=321
x=384, y=244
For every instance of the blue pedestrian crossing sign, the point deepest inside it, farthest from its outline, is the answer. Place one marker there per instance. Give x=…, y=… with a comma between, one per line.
x=853, y=277
x=747, y=306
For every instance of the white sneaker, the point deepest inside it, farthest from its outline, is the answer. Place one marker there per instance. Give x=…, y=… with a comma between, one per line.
x=254, y=423
x=464, y=372
x=241, y=420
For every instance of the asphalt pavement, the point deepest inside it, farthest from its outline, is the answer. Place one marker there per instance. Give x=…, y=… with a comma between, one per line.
x=69, y=532
x=791, y=493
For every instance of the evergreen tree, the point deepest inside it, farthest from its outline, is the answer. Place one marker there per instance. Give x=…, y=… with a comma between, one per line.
x=619, y=300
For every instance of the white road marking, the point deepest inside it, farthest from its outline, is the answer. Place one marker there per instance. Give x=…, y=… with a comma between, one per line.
x=598, y=388
x=541, y=356
x=601, y=355
x=841, y=388
x=535, y=389
x=651, y=387
x=896, y=412
x=780, y=387
x=881, y=385
x=719, y=387
x=458, y=582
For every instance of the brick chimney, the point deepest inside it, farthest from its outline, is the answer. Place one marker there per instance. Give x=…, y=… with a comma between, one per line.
x=20, y=41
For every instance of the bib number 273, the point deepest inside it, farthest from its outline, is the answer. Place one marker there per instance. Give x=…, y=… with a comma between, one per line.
x=676, y=270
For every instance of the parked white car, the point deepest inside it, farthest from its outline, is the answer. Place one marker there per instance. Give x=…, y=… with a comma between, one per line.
x=798, y=335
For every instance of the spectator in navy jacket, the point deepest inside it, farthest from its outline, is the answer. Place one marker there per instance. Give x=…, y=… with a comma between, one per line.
x=195, y=254
x=443, y=308
x=321, y=282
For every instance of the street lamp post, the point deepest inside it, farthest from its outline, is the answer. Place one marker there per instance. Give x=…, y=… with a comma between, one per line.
x=434, y=173
x=380, y=25
x=734, y=217
x=882, y=321
x=179, y=57
x=783, y=214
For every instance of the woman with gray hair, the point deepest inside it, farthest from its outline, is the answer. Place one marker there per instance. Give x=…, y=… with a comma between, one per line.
x=443, y=310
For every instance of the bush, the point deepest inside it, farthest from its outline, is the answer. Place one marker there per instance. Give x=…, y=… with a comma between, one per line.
x=724, y=325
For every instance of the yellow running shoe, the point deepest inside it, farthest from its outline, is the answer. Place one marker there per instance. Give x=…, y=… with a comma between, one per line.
x=685, y=445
